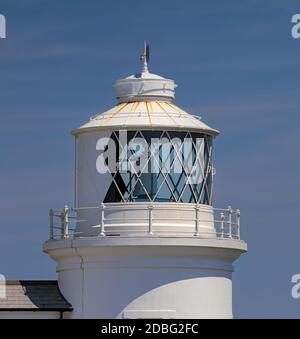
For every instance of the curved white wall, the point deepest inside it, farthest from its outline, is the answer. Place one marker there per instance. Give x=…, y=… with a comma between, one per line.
x=159, y=278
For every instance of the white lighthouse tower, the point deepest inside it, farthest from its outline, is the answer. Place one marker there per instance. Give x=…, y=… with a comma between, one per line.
x=144, y=240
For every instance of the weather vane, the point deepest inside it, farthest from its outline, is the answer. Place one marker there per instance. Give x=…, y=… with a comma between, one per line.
x=145, y=57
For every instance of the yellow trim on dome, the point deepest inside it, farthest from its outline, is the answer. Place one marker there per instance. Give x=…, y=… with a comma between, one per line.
x=167, y=113
x=114, y=114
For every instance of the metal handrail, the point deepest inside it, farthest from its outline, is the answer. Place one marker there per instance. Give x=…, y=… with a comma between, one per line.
x=227, y=226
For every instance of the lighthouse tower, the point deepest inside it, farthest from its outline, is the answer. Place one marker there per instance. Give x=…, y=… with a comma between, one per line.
x=144, y=240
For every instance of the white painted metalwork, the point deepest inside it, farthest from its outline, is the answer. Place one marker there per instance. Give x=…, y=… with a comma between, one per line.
x=226, y=223
x=102, y=220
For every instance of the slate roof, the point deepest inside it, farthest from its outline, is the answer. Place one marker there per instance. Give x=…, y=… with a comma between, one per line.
x=33, y=295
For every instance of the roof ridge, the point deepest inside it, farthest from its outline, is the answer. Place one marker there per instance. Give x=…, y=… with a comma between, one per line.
x=31, y=282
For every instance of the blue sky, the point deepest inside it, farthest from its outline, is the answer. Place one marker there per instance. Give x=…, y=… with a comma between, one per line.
x=236, y=65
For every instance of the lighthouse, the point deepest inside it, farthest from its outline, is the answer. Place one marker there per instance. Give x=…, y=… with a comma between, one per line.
x=144, y=239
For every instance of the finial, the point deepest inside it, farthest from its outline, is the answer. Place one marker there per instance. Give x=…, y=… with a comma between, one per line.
x=145, y=57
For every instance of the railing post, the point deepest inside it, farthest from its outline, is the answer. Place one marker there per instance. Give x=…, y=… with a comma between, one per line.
x=150, y=209
x=229, y=222
x=222, y=217
x=102, y=220
x=51, y=216
x=238, y=221
x=65, y=222
x=197, y=208
x=62, y=224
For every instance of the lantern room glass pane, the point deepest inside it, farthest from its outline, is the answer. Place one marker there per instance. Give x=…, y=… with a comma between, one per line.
x=162, y=166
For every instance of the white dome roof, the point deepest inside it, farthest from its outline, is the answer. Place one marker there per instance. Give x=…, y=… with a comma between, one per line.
x=143, y=115
x=145, y=86
x=145, y=75
x=145, y=103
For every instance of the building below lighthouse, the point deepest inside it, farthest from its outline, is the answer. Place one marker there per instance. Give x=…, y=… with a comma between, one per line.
x=143, y=239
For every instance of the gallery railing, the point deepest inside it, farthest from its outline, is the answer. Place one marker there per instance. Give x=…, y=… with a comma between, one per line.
x=226, y=222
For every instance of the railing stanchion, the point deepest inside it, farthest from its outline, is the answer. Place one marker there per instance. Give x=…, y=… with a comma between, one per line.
x=65, y=215
x=62, y=224
x=238, y=220
x=229, y=222
x=222, y=217
x=51, y=215
x=102, y=220
x=197, y=208
x=150, y=230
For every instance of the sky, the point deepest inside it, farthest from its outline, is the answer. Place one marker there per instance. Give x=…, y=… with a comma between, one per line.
x=236, y=65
